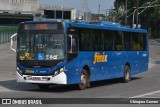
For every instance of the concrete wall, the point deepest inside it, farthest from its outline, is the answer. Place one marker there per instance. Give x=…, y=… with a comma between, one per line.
x=32, y=7
x=73, y=13
x=19, y=5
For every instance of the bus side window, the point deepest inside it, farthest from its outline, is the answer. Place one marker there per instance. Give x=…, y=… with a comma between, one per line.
x=127, y=41
x=136, y=42
x=97, y=40
x=142, y=41
x=108, y=41
x=118, y=40
x=85, y=39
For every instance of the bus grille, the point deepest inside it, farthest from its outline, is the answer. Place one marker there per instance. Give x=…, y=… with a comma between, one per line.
x=39, y=64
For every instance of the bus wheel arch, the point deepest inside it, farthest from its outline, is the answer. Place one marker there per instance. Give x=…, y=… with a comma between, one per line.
x=84, y=78
x=88, y=70
x=127, y=73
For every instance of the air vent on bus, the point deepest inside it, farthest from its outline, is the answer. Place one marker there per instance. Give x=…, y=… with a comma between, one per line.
x=110, y=24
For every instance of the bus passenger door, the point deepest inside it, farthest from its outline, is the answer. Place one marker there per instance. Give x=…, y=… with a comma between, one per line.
x=72, y=54
x=72, y=44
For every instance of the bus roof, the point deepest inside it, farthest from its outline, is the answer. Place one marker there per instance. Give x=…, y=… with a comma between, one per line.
x=96, y=25
x=40, y=21
x=108, y=26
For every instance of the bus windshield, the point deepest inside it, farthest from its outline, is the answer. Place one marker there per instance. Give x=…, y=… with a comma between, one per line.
x=37, y=46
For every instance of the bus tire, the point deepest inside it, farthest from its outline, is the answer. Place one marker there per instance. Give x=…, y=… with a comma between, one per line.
x=127, y=74
x=85, y=81
x=43, y=86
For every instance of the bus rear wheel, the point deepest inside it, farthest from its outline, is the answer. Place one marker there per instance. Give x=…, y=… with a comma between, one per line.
x=85, y=81
x=127, y=74
x=43, y=86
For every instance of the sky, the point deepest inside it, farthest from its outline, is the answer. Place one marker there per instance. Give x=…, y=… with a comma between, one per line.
x=93, y=4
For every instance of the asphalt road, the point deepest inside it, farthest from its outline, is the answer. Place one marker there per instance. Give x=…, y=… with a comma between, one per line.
x=145, y=85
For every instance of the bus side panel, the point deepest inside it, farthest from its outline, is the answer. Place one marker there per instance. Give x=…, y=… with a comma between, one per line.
x=114, y=65
x=96, y=69
x=139, y=62
x=73, y=72
x=142, y=61
x=74, y=68
x=112, y=68
x=133, y=59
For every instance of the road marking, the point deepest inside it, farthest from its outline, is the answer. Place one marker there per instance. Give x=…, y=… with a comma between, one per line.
x=151, y=63
x=3, y=89
x=143, y=95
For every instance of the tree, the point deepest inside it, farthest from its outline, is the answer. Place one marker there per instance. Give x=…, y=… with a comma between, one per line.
x=150, y=18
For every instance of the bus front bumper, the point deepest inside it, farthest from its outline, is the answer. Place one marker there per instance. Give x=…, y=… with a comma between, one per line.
x=59, y=79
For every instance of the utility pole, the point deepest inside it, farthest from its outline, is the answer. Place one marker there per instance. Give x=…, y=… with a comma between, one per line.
x=62, y=12
x=126, y=13
x=106, y=15
x=117, y=11
x=83, y=10
x=137, y=13
x=109, y=15
x=86, y=10
x=99, y=8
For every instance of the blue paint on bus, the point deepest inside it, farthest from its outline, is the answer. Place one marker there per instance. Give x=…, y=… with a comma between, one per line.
x=102, y=63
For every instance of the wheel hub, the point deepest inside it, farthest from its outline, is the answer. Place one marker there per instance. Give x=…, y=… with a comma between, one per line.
x=83, y=79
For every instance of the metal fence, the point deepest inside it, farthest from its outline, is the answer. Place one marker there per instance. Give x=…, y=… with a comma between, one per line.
x=6, y=32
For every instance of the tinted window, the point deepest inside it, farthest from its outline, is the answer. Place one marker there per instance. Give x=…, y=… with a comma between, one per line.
x=108, y=40
x=142, y=41
x=127, y=41
x=97, y=40
x=85, y=40
x=138, y=41
x=118, y=40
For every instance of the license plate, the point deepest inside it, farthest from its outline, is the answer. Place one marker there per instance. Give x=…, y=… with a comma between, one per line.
x=36, y=78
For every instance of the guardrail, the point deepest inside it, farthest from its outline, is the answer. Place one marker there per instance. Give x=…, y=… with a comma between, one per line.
x=6, y=32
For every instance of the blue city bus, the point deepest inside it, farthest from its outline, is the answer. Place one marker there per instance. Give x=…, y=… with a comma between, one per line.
x=71, y=52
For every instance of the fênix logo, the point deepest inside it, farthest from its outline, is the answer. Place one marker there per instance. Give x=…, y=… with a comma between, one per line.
x=99, y=57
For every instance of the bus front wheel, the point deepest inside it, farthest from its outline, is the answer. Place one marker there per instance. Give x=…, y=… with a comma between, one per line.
x=85, y=81
x=127, y=74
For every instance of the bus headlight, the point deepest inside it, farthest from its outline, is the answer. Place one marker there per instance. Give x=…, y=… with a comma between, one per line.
x=58, y=71
x=19, y=71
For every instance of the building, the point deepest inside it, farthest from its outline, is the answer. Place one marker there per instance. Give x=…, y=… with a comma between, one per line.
x=16, y=11
x=58, y=12
x=19, y=5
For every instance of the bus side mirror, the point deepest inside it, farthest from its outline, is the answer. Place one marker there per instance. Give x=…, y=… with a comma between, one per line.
x=12, y=42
